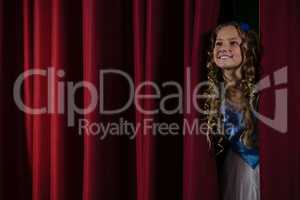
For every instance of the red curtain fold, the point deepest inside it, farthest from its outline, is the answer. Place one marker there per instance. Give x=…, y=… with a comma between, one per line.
x=14, y=171
x=200, y=173
x=280, y=164
x=107, y=170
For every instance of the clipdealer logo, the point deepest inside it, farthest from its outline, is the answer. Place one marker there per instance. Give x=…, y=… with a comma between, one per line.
x=67, y=104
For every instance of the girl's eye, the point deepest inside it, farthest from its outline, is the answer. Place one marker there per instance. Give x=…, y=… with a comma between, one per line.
x=218, y=44
x=234, y=43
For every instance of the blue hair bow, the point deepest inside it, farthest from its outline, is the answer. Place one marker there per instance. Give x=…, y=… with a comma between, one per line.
x=245, y=27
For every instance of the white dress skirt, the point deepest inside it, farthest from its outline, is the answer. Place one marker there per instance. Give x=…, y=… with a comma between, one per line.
x=238, y=180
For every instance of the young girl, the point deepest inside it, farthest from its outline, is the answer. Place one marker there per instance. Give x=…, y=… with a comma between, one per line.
x=232, y=69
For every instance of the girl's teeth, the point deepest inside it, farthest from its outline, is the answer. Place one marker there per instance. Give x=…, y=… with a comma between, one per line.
x=224, y=57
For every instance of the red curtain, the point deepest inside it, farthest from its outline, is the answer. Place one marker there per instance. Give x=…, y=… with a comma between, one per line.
x=41, y=157
x=280, y=163
x=199, y=166
x=151, y=40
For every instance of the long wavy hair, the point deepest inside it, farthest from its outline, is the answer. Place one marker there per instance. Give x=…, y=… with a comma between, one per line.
x=250, y=49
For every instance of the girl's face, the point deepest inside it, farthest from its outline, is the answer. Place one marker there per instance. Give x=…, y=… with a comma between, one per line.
x=227, y=52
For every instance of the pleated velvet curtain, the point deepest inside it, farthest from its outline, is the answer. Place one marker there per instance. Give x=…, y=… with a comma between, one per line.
x=151, y=40
x=43, y=158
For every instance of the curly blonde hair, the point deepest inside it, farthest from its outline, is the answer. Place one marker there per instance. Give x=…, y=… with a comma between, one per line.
x=250, y=49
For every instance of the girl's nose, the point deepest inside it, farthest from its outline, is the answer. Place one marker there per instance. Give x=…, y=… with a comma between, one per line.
x=225, y=48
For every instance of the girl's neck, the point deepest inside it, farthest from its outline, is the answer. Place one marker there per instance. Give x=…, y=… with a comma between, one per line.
x=232, y=76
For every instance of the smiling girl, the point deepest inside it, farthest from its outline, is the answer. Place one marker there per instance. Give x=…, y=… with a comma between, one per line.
x=233, y=62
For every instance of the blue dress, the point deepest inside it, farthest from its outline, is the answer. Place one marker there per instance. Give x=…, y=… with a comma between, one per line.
x=240, y=171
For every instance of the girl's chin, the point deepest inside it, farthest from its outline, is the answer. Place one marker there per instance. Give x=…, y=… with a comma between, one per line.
x=227, y=66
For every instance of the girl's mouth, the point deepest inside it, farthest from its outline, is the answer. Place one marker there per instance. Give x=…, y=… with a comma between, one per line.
x=224, y=57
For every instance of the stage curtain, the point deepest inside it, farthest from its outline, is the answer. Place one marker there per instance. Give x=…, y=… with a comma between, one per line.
x=42, y=156
x=199, y=164
x=280, y=164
